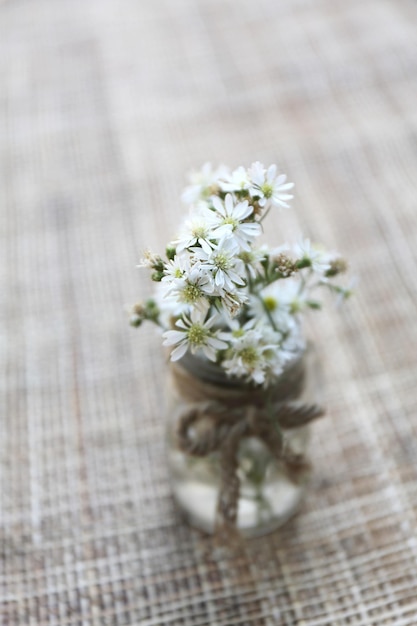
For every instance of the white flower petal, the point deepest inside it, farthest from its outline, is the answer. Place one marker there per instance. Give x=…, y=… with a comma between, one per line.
x=172, y=337
x=179, y=351
x=217, y=343
x=209, y=352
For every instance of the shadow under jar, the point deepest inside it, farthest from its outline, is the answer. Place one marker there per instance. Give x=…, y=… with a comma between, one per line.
x=237, y=452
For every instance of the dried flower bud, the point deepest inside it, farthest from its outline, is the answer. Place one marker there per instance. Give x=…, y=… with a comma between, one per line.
x=337, y=266
x=144, y=311
x=257, y=208
x=137, y=315
x=284, y=265
x=138, y=309
x=152, y=261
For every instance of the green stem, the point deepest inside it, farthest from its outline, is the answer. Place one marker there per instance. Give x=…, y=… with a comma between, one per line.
x=261, y=300
x=265, y=214
x=303, y=282
x=268, y=312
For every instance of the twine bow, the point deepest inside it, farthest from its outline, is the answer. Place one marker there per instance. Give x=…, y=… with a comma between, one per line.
x=217, y=419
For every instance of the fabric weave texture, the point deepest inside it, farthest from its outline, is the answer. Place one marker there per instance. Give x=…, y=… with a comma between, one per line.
x=104, y=106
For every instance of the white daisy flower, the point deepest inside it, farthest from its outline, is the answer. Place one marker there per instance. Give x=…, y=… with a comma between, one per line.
x=249, y=357
x=203, y=183
x=274, y=355
x=196, y=231
x=280, y=300
x=176, y=269
x=227, y=220
x=192, y=288
x=238, y=180
x=230, y=303
x=226, y=269
x=195, y=335
x=150, y=260
x=318, y=258
x=293, y=341
x=169, y=307
x=256, y=174
x=252, y=260
x=287, y=339
x=267, y=186
x=236, y=330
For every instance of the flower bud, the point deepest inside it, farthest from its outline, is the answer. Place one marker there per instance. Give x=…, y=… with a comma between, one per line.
x=337, y=266
x=170, y=252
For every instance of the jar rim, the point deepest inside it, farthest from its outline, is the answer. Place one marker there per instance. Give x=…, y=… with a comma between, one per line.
x=213, y=373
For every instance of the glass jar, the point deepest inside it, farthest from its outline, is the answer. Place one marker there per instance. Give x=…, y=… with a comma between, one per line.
x=237, y=453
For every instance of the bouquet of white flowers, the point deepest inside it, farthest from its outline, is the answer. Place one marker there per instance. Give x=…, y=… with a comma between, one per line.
x=222, y=297
x=243, y=388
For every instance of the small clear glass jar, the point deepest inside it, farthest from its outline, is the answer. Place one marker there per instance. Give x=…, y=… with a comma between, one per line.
x=269, y=490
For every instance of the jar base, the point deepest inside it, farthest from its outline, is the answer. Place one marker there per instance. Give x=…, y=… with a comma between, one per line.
x=256, y=516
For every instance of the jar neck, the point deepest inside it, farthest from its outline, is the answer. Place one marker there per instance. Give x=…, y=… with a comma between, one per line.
x=196, y=379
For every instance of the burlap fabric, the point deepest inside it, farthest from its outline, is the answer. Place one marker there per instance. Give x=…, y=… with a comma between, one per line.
x=104, y=105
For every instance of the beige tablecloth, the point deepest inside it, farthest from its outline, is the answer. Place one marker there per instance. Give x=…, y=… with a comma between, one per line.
x=104, y=106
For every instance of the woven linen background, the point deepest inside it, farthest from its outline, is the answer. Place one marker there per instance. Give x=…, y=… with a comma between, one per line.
x=104, y=107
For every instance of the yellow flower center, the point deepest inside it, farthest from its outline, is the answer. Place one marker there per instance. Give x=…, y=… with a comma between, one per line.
x=221, y=261
x=270, y=303
x=197, y=334
x=249, y=356
x=267, y=190
x=199, y=231
x=233, y=222
x=295, y=307
x=190, y=294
